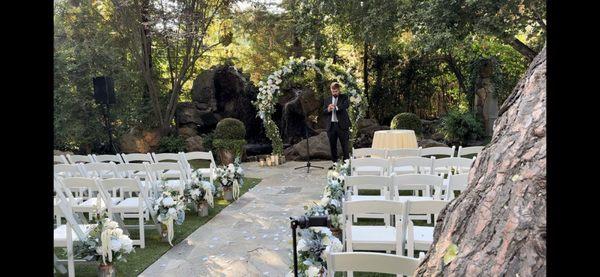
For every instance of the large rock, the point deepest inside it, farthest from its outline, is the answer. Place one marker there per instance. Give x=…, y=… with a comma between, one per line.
x=296, y=115
x=366, y=128
x=194, y=144
x=319, y=148
x=139, y=141
x=187, y=132
x=187, y=113
x=426, y=143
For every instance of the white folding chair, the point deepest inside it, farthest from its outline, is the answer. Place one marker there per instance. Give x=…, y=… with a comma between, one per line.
x=456, y=182
x=418, y=182
x=368, y=153
x=471, y=150
x=158, y=173
x=137, y=158
x=438, y=151
x=206, y=172
x=99, y=170
x=410, y=165
x=374, y=238
x=68, y=170
x=60, y=159
x=403, y=152
x=64, y=235
x=371, y=262
x=90, y=205
x=108, y=158
x=381, y=183
x=134, y=206
x=170, y=158
x=421, y=237
x=369, y=166
x=446, y=166
x=73, y=159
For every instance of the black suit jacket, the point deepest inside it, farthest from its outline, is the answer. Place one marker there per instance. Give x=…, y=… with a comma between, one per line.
x=343, y=103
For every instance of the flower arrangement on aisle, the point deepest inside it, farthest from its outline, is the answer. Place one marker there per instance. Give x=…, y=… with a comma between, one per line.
x=269, y=93
x=313, y=246
x=200, y=193
x=106, y=242
x=231, y=178
x=339, y=171
x=170, y=208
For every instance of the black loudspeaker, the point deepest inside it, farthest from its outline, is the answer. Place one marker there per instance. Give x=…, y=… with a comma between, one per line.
x=104, y=90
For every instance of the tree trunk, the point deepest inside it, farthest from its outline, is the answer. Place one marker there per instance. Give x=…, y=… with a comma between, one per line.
x=521, y=48
x=457, y=73
x=498, y=224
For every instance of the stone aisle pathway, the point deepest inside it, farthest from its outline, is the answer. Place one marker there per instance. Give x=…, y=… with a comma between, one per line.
x=250, y=237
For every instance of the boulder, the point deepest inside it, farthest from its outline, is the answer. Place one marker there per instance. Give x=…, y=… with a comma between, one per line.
x=140, y=141
x=187, y=113
x=293, y=119
x=194, y=143
x=203, y=90
x=187, y=132
x=425, y=143
x=319, y=148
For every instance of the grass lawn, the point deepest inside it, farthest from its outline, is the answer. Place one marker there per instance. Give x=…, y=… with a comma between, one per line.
x=155, y=248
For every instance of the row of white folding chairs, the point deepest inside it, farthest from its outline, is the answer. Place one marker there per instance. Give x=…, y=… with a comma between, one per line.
x=433, y=187
x=370, y=262
x=406, y=165
x=400, y=236
x=423, y=152
x=151, y=158
x=117, y=196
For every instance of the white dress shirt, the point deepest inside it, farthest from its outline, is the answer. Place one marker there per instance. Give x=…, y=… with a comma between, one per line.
x=333, y=115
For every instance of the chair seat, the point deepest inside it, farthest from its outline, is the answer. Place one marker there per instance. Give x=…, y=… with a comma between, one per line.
x=423, y=237
x=60, y=234
x=129, y=204
x=92, y=202
x=414, y=198
x=367, y=197
x=373, y=238
x=399, y=170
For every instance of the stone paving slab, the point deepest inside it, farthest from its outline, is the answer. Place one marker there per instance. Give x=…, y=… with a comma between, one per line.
x=250, y=237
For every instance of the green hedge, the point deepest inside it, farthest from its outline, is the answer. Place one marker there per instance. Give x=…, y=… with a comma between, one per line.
x=408, y=121
x=461, y=126
x=171, y=144
x=230, y=128
x=234, y=145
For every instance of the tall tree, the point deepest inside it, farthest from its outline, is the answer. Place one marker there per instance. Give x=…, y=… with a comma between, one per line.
x=181, y=29
x=497, y=226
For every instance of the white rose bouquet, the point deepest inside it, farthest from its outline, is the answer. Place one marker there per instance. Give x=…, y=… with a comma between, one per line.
x=231, y=177
x=199, y=191
x=312, y=249
x=170, y=207
x=106, y=241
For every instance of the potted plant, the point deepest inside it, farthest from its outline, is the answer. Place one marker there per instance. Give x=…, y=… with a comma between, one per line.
x=106, y=243
x=170, y=208
x=229, y=140
x=200, y=193
x=231, y=179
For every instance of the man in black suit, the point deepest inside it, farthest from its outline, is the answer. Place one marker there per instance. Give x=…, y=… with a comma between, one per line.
x=338, y=121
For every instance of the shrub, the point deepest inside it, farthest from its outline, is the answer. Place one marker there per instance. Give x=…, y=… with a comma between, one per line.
x=408, y=121
x=236, y=146
x=207, y=141
x=230, y=128
x=461, y=126
x=171, y=144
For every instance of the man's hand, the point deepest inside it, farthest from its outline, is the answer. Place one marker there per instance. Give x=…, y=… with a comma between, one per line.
x=330, y=107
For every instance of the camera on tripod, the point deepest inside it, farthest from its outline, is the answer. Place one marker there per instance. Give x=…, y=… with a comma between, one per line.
x=304, y=222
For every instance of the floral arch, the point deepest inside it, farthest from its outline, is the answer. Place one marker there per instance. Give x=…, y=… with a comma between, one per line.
x=269, y=93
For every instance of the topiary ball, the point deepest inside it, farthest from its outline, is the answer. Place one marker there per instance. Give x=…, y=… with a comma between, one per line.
x=230, y=128
x=408, y=121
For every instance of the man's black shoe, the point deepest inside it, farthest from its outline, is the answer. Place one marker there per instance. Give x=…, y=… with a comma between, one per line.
x=330, y=168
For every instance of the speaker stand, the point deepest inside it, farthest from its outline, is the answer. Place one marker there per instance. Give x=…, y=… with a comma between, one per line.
x=109, y=128
x=308, y=165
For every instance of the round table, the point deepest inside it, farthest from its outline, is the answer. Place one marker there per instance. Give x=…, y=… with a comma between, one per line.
x=393, y=139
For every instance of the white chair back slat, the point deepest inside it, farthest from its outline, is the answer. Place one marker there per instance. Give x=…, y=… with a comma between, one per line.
x=73, y=159
x=198, y=155
x=447, y=165
x=368, y=153
x=410, y=165
x=108, y=158
x=369, y=166
x=368, y=182
x=166, y=157
x=137, y=157
x=422, y=182
x=371, y=262
x=403, y=152
x=157, y=172
x=465, y=151
x=457, y=182
x=438, y=151
x=60, y=159
x=68, y=170
x=99, y=170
